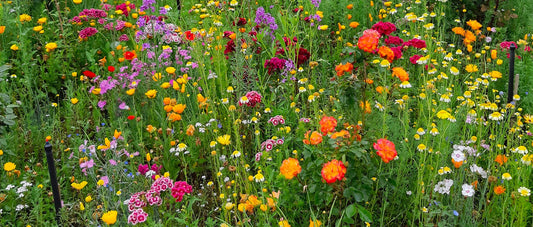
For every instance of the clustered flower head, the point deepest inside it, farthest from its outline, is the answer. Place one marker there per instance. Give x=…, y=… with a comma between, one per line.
x=290, y=168
x=179, y=189
x=385, y=149
x=333, y=170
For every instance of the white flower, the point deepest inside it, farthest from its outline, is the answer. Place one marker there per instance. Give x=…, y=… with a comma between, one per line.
x=524, y=191
x=458, y=156
x=476, y=169
x=443, y=187
x=468, y=190
x=9, y=187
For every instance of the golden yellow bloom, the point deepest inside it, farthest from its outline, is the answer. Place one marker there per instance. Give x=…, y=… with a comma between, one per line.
x=25, y=17
x=74, y=101
x=77, y=1
x=151, y=94
x=170, y=70
x=14, y=47
x=110, y=217
x=9, y=166
x=130, y=91
x=224, y=140
x=50, y=46
x=79, y=186
x=42, y=20
x=88, y=199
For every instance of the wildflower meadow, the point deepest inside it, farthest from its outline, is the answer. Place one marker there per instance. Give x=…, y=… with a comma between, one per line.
x=266, y=113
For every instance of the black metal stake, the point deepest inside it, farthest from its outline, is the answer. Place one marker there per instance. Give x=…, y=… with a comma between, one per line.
x=53, y=179
x=510, y=88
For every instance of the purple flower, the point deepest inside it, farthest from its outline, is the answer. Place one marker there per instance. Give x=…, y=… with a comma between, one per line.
x=123, y=106
x=101, y=104
x=87, y=32
x=316, y=3
x=112, y=162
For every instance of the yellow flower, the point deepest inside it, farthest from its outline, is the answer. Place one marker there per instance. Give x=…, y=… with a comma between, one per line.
x=41, y=20
x=1, y=152
x=284, y=223
x=130, y=91
x=74, y=101
x=99, y=183
x=88, y=199
x=443, y=114
x=170, y=70
x=79, y=186
x=9, y=166
x=82, y=207
x=151, y=94
x=14, y=47
x=110, y=217
x=323, y=27
x=96, y=91
x=25, y=17
x=224, y=140
x=315, y=223
x=38, y=28
x=77, y=1
x=471, y=68
x=50, y=46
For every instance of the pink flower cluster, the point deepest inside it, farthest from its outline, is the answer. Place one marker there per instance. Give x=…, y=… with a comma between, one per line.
x=139, y=200
x=87, y=32
x=269, y=144
x=136, y=201
x=181, y=188
x=254, y=98
x=138, y=216
x=278, y=119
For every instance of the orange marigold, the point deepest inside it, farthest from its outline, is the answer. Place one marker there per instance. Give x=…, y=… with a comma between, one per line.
x=400, y=73
x=343, y=134
x=498, y=190
x=316, y=138
x=386, y=150
x=459, y=31
x=341, y=69
x=386, y=53
x=457, y=165
x=369, y=41
x=501, y=159
x=327, y=124
x=290, y=168
x=474, y=24
x=333, y=171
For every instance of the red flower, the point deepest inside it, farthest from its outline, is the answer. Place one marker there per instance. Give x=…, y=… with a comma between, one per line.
x=386, y=150
x=333, y=171
x=131, y=117
x=189, y=35
x=89, y=74
x=110, y=68
x=128, y=55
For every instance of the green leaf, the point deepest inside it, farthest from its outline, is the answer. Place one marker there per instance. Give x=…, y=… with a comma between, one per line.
x=364, y=214
x=350, y=210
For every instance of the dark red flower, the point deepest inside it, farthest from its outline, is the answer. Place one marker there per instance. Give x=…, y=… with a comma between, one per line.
x=110, y=68
x=241, y=22
x=89, y=74
x=303, y=56
x=416, y=43
x=394, y=41
x=384, y=28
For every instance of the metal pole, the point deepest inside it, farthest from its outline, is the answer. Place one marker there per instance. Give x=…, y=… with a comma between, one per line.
x=53, y=179
x=510, y=88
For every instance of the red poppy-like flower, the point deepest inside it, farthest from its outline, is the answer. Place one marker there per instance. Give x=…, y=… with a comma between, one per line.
x=89, y=74
x=131, y=117
x=128, y=55
x=333, y=171
x=327, y=124
x=110, y=68
x=386, y=150
x=189, y=35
